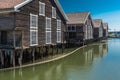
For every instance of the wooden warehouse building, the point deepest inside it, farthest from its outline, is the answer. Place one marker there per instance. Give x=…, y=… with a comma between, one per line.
x=98, y=29
x=79, y=28
x=28, y=26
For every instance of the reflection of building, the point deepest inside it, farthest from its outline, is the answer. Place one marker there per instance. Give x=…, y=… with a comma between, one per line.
x=100, y=49
x=88, y=56
x=105, y=48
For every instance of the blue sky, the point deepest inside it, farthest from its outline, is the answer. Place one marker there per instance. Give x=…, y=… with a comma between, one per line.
x=107, y=10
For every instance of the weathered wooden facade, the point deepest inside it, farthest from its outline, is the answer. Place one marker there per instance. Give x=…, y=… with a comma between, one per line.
x=79, y=28
x=98, y=29
x=27, y=24
x=105, y=30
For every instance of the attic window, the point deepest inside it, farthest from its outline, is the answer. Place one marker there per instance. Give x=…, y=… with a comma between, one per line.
x=53, y=12
x=41, y=8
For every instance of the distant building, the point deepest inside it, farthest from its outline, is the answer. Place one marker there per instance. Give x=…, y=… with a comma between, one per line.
x=98, y=29
x=105, y=30
x=79, y=27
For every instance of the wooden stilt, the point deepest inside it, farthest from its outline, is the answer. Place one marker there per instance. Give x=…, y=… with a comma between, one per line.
x=52, y=50
x=2, y=59
x=62, y=48
x=33, y=55
x=20, y=57
x=13, y=56
x=57, y=49
x=39, y=52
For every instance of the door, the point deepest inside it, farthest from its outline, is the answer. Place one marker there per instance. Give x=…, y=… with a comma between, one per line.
x=4, y=37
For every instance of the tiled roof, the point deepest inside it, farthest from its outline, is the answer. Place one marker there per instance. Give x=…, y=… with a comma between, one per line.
x=9, y=3
x=77, y=18
x=105, y=25
x=97, y=23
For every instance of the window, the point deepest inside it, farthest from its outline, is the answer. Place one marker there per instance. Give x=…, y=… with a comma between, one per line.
x=53, y=12
x=69, y=28
x=34, y=37
x=58, y=24
x=48, y=30
x=58, y=31
x=72, y=28
x=33, y=30
x=41, y=8
x=58, y=36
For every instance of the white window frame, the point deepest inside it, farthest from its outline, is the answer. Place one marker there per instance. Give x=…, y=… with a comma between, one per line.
x=40, y=12
x=31, y=44
x=59, y=25
x=47, y=37
x=54, y=12
x=48, y=30
x=59, y=39
x=33, y=29
x=47, y=24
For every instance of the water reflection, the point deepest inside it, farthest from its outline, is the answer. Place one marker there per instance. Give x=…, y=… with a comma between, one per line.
x=74, y=67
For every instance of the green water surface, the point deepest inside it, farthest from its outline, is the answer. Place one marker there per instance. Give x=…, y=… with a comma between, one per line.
x=98, y=61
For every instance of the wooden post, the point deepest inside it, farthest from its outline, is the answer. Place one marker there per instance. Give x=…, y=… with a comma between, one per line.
x=33, y=55
x=62, y=48
x=13, y=57
x=2, y=59
x=14, y=41
x=52, y=50
x=57, y=49
x=20, y=57
x=39, y=52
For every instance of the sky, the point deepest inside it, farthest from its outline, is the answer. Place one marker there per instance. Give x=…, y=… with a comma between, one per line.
x=107, y=10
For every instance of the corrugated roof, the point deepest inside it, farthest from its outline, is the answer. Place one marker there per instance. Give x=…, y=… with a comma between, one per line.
x=97, y=23
x=77, y=18
x=105, y=25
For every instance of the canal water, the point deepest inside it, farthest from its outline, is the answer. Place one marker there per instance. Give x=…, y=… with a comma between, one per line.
x=98, y=61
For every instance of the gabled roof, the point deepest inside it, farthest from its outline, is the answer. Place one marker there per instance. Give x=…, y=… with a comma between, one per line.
x=77, y=18
x=16, y=4
x=7, y=4
x=97, y=23
x=105, y=25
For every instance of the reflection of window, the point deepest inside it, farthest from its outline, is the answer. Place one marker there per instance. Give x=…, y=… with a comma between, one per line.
x=33, y=29
x=48, y=30
x=58, y=30
x=42, y=8
x=53, y=12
